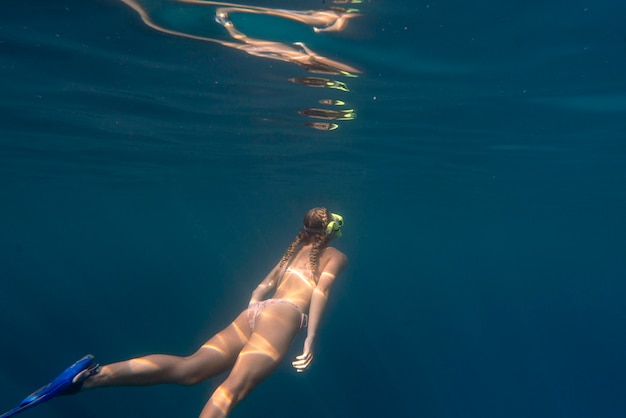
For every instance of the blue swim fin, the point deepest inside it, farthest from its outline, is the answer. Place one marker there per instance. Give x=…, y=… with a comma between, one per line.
x=61, y=385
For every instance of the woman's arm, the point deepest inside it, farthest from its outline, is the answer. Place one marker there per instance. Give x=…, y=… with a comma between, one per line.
x=317, y=307
x=265, y=286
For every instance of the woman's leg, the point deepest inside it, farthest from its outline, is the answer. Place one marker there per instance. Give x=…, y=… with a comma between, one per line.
x=214, y=357
x=275, y=328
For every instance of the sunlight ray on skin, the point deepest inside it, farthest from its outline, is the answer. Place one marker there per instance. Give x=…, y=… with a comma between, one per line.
x=141, y=364
x=240, y=333
x=222, y=399
x=214, y=347
x=300, y=274
x=222, y=342
x=262, y=347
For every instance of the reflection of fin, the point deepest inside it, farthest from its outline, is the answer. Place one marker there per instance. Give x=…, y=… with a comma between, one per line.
x=63, y=384
x=310, y=81
x=347, y=114
x=320, y=82
x=322, y=126
x=332, y=102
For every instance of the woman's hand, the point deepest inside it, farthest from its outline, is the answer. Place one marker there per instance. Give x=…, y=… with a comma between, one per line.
x=302, y=362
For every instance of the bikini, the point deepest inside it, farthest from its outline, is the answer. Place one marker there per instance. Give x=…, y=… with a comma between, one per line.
x=255, y=308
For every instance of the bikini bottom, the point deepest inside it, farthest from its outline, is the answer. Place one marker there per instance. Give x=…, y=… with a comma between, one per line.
x=255, y=309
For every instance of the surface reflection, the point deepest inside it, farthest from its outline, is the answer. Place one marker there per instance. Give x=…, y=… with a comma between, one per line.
x=322, y=126
x=323, y=20
x=328, y=19
x=320, y=82
x=346, y=114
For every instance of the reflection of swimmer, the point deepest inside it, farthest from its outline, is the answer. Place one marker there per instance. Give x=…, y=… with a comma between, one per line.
x=320, y=82
x=300, y=54
x=348, y=114
x=255, y=343
x=324, y=20
x=330, y=19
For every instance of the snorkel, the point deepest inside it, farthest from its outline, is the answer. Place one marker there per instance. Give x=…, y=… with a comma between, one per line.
x=333, y=226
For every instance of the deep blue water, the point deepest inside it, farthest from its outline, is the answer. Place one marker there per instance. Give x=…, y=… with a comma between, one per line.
x=150, y=180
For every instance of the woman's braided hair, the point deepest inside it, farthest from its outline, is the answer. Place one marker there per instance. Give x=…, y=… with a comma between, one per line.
x=316, y=221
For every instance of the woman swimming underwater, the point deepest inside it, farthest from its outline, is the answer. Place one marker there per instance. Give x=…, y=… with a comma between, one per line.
x=252, y=346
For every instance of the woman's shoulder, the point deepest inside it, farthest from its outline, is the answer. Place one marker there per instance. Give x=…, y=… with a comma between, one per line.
x=331, y=253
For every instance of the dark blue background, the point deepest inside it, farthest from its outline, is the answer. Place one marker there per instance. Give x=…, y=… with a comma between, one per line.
x=148, y=182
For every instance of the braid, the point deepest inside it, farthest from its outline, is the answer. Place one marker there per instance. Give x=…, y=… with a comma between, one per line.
x=291, y=250
x=320, y=241
x=316, y=218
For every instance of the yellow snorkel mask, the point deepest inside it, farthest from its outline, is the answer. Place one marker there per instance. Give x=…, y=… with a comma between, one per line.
x=333, y=226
